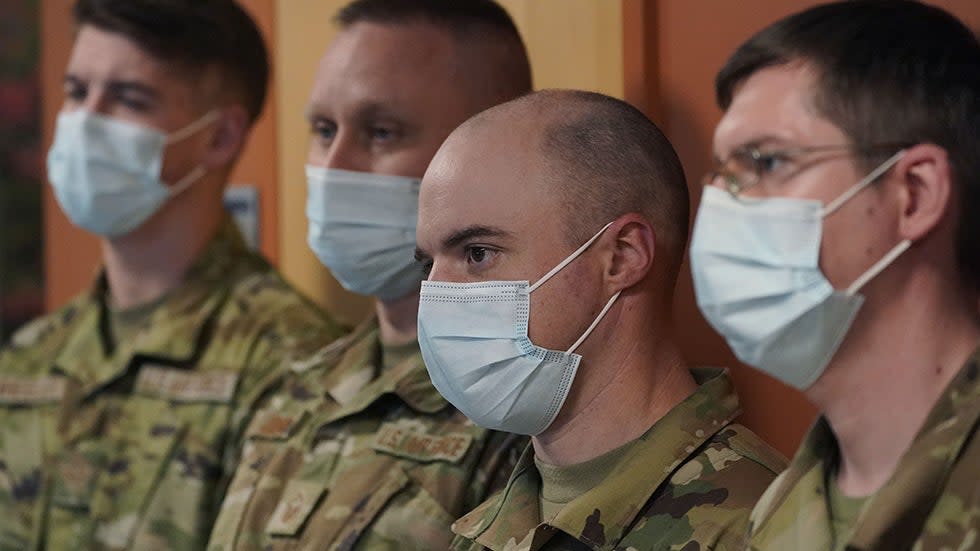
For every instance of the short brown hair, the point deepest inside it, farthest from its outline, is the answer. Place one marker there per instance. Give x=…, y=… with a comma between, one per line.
x=888, y=71
x=195, y=34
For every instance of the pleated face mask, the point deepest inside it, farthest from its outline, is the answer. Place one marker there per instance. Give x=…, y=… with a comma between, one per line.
x=474, y=340
x=362, y=227
x=757, y=279
x=106, y=172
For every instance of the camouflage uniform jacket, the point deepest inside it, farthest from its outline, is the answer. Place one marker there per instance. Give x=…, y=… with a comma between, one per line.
x=688, y=484
x=931, y=502
x=127, y=445
x=357, y=453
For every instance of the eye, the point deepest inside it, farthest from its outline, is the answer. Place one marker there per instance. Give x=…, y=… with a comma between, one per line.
x=75, y=91
x=382, y=133
x=767, y=162
x=323, y=129
x=477, y=254
x=133, y=102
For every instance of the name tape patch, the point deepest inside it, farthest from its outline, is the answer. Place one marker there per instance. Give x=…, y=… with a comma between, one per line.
x=182, y=386
x=32, y=390
x=420, y=446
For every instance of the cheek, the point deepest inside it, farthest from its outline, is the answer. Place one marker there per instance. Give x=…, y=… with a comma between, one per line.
x=854, y=239
x=181, y=158
x=563, y=308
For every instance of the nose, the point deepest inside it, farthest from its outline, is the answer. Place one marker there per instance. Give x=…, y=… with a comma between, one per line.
x=444, y=271
x=342, y=153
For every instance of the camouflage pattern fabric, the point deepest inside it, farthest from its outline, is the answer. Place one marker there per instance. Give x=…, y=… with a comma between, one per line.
x=358, y=453
x=687, y=484
x=128, y=445
x=931, y=502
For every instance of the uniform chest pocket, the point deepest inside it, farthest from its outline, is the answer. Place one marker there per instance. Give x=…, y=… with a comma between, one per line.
x=310, y=516
x=163, y=450
x=381, y=495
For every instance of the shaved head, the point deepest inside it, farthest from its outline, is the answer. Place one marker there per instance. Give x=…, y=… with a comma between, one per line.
x=603, y=159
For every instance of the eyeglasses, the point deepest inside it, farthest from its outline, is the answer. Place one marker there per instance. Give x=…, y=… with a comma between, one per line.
x=747, y=166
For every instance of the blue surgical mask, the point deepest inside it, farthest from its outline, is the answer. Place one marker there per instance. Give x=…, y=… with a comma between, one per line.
x=475, y=345
x=362, y=227
x=757, y=279
x=106, y=172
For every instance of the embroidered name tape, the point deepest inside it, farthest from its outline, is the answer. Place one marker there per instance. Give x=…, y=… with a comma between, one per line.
x=183, y=386
x=420, y=446
x=32, y=390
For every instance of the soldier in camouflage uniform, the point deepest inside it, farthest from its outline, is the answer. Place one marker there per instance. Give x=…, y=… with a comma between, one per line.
x=120, y=412
x=638, y=452
x=849, y=146
x=357, y=450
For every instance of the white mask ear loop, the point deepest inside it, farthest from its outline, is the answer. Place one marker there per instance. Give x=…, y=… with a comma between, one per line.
x=578, y=252
x=567, y=260
x=595, y=322
x=186, y=181
x=193, y=127
x=865, y=182
x=181, y=134
x=878, y=267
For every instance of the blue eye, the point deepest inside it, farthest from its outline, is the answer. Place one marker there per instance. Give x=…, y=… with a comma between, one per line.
x=381, y=134
x=325, y=130
x=767, y=162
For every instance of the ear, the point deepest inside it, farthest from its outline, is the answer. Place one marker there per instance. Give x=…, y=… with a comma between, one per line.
x=228, y=137
x=633, y=247
x=926, y=178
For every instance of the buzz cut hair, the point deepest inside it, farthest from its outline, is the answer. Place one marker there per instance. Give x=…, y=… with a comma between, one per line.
x=498, y=68
x=608, y=159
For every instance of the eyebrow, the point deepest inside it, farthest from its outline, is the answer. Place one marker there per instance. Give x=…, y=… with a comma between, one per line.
x=118, y=86
x=461, y=236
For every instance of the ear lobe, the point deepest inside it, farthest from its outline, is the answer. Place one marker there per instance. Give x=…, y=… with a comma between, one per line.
x=634, y=248
x=926, y=177
x=228, y=138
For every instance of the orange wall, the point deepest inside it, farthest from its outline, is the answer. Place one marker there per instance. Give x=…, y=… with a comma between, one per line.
x=672, y=50
x=71, y=256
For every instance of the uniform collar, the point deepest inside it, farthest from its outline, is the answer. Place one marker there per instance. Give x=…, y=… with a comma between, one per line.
x=358, y=378
x=600, y=517
x=176, y=331
x=894, y=515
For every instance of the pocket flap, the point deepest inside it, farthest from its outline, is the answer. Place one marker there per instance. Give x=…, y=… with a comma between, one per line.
x=298, y=500
x=275, y=425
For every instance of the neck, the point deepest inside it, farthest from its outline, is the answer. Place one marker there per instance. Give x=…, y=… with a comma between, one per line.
x=625, y=383
x=905, y=351
x=398, y=319
x=147, y=263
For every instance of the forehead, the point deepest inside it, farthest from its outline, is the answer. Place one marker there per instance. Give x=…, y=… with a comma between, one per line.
x=100, y=55
x=404, y=65
x=775, y=104
x=490, y=174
